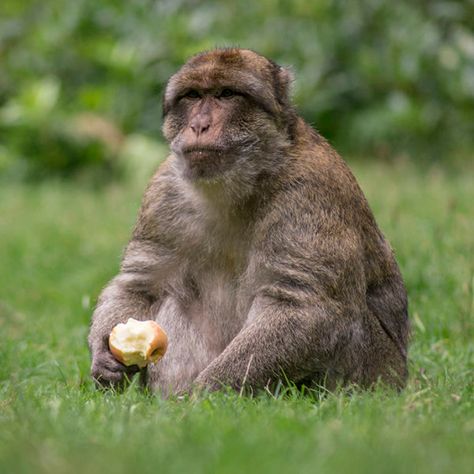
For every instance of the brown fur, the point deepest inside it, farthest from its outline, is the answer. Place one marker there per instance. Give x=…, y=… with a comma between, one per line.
x=255, y=248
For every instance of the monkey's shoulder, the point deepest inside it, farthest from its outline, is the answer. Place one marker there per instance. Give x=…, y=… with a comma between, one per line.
x=317, y=206
x=317, y=184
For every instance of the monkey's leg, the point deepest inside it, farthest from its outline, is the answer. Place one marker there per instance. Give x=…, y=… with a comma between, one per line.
x=284, y=340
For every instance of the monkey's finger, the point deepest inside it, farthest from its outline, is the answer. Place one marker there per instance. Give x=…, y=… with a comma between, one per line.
x=119, y=367
x=108, y=379
x=112, y=364
x=106, y=359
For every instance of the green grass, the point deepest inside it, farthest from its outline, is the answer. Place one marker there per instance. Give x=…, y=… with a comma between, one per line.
x=59, y=244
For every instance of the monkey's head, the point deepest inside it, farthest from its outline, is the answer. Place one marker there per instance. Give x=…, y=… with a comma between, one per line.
x=227, y=114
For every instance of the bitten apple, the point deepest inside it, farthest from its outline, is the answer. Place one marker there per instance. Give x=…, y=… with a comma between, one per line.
x=138, y=342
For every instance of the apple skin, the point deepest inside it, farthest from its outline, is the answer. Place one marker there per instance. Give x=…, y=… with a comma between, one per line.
x=138, y=342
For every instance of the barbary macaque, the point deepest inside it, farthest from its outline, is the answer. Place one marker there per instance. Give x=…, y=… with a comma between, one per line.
x=254, y=249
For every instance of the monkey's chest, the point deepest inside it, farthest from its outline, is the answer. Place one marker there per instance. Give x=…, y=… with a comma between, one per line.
x=209, y=284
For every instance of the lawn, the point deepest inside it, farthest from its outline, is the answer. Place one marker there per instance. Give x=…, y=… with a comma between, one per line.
x=61, y=242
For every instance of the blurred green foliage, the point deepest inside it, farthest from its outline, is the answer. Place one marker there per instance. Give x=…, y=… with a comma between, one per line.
x=81, y=81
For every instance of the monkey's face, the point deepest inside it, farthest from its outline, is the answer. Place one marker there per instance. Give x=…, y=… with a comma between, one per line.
x=224, y=111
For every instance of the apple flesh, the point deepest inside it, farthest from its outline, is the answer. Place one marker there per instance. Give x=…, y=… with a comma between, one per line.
x=138, y=342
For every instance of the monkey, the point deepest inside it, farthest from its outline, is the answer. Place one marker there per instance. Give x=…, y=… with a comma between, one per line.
x=254, y=248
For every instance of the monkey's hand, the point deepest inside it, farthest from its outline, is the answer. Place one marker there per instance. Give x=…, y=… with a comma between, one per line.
x=108, y=372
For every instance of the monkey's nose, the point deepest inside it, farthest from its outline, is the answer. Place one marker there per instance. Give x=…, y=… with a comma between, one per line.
x=200, y=124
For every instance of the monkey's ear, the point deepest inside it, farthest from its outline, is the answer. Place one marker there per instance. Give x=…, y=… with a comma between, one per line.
x=166, y=98
x=286, y=76
x=284, y=80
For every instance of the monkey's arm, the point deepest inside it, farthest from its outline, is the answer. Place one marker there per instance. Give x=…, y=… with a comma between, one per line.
x=131, y=294
x=276, y=344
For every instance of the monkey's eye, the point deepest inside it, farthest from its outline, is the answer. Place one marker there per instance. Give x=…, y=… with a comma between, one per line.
x=226, y=93
x=192, y=94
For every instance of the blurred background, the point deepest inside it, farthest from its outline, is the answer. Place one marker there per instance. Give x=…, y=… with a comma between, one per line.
x=81, y=81
x=389, y=82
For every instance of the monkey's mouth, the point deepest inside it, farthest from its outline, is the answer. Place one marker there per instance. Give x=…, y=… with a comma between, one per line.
x=200, y=153
x=206, y=161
